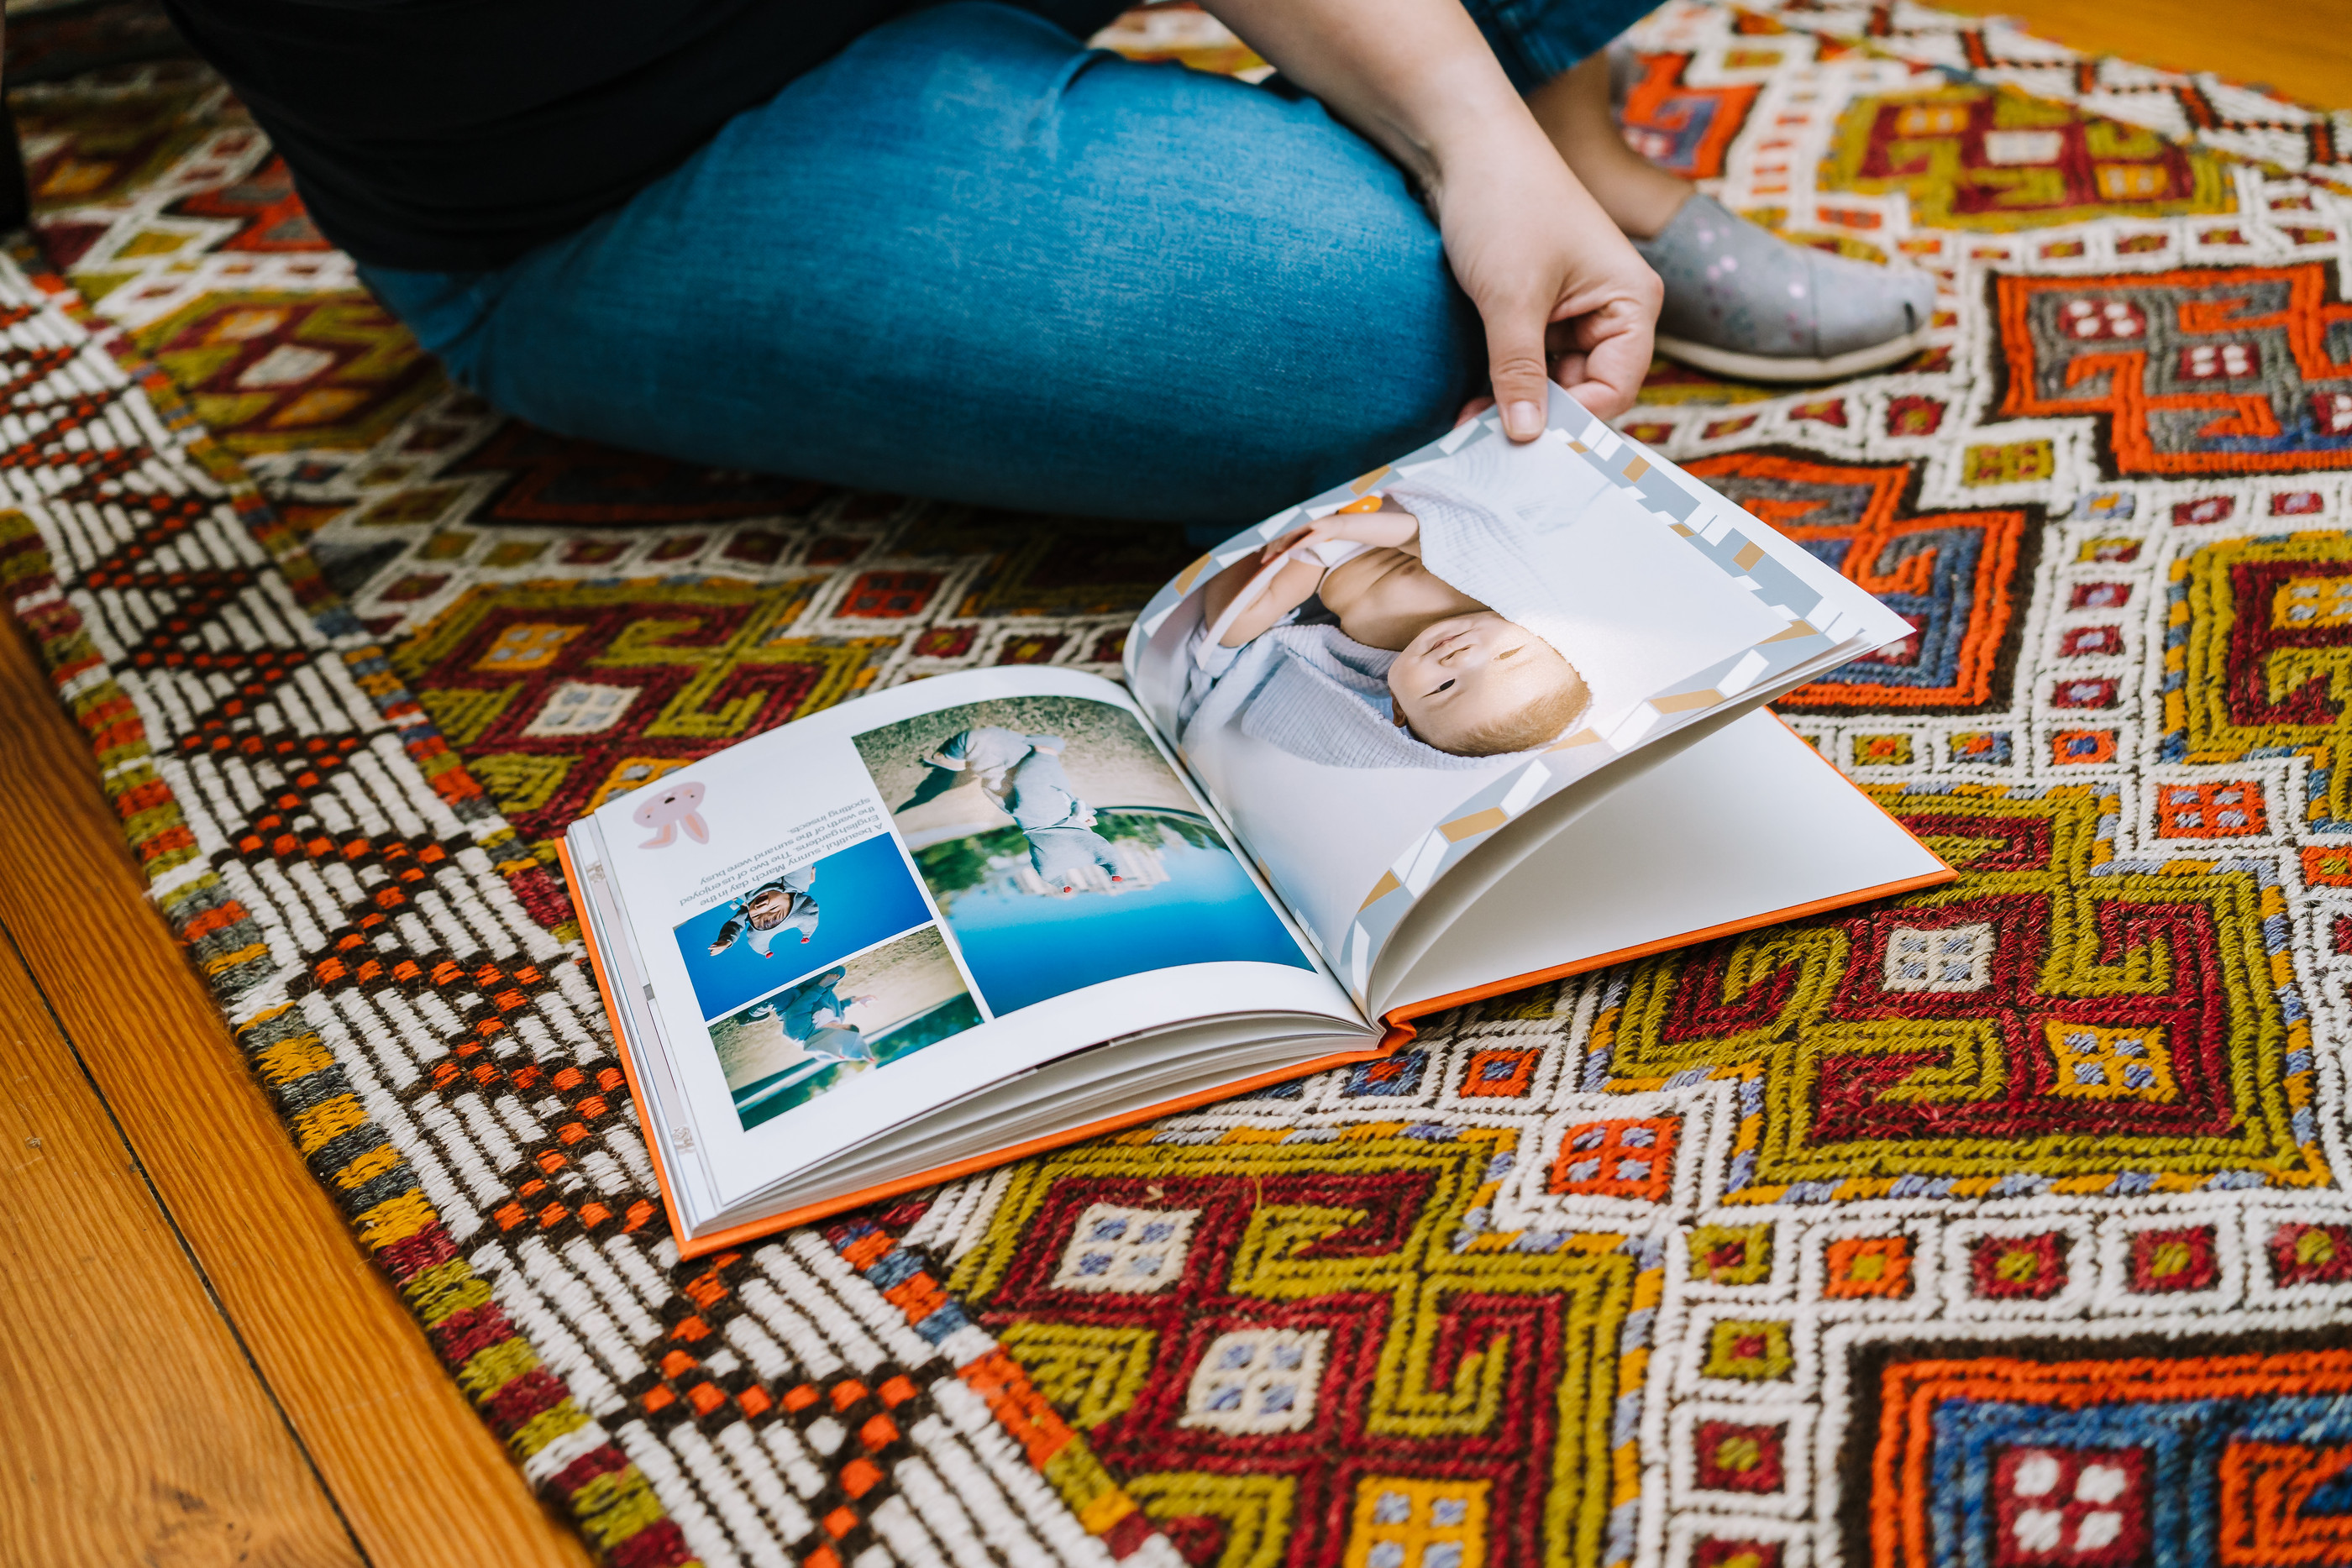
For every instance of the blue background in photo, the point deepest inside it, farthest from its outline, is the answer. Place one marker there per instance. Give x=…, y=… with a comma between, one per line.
x=863, y=893
x=1022, y=948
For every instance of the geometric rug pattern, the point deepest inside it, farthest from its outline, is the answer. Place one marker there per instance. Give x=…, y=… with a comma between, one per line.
x=2001, y=1223
x=383, y=946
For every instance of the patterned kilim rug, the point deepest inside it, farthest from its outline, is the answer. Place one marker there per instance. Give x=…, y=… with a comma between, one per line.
x=2003, y=1225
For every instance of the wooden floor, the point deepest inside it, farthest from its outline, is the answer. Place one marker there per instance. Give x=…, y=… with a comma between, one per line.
x=197, y=1366
x=2301, y=50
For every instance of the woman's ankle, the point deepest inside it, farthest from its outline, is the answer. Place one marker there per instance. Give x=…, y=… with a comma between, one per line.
x=1573, y=109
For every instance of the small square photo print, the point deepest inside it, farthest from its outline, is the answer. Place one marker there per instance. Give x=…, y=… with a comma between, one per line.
x=787, y=922
x=870, y=1010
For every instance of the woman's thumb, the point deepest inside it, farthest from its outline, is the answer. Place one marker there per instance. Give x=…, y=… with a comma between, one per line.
x=1514, y=363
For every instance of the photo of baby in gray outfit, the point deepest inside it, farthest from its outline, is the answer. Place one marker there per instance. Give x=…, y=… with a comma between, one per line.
x=1061, y=848
x=1023, y=775
x=1423, y=611
x=1483, y=616
x=786, y=905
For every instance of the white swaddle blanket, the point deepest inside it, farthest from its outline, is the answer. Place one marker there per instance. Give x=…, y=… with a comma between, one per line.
x=1316, y=693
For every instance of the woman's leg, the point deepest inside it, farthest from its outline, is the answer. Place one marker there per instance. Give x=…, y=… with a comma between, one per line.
x=1574, y=110
x=970, y=259
x=1739, y=300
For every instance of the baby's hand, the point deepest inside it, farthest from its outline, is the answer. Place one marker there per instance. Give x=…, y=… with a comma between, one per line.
x=1316, y=532
x=1382, y=524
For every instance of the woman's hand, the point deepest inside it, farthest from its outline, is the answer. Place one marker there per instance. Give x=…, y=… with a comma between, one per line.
x=1562, y=294
x=1564, y=298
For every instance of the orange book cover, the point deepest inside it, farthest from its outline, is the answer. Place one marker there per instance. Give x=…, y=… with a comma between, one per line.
x=1399, y=1033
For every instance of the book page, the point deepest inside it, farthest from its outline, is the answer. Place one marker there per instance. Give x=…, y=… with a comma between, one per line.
x=1749, y=827
x=1424, y=655
x=983, y=872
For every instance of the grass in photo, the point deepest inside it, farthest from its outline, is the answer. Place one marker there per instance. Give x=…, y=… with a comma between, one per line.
x=1063, y=849
x=801, y=918
x=863, y=1013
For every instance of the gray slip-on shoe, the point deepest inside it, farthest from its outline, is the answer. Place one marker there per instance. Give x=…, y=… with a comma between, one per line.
x=1743, y=302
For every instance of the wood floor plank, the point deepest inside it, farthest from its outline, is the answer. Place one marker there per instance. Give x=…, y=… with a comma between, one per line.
x=419, y=1479
x=136, y=1430
x=2304, y=51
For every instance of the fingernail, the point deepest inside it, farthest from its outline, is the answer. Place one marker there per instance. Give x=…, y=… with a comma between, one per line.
x=1523, y=420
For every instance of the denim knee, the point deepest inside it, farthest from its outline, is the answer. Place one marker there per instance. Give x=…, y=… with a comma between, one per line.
x=444, y=311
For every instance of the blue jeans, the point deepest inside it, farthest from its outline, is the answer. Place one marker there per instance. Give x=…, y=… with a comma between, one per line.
x=970, y=259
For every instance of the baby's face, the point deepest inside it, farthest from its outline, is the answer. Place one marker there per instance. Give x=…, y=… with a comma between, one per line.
x=1468, y=678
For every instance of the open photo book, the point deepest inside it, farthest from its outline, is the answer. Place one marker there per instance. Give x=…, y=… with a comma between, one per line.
x=1487, y=716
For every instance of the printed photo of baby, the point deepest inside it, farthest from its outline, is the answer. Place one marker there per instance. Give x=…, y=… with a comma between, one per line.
x=1062, y=849
x=1023, y=775
x=785, y=906
x=871, y=1009
x=1461, y=679
x=1342, y=687
x=1470, y=608
x=775, y=925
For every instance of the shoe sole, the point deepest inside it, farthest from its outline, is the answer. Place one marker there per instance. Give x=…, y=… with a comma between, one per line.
x=1770, y=368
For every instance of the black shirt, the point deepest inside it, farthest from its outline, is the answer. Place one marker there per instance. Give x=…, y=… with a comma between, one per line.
x=455, y=135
